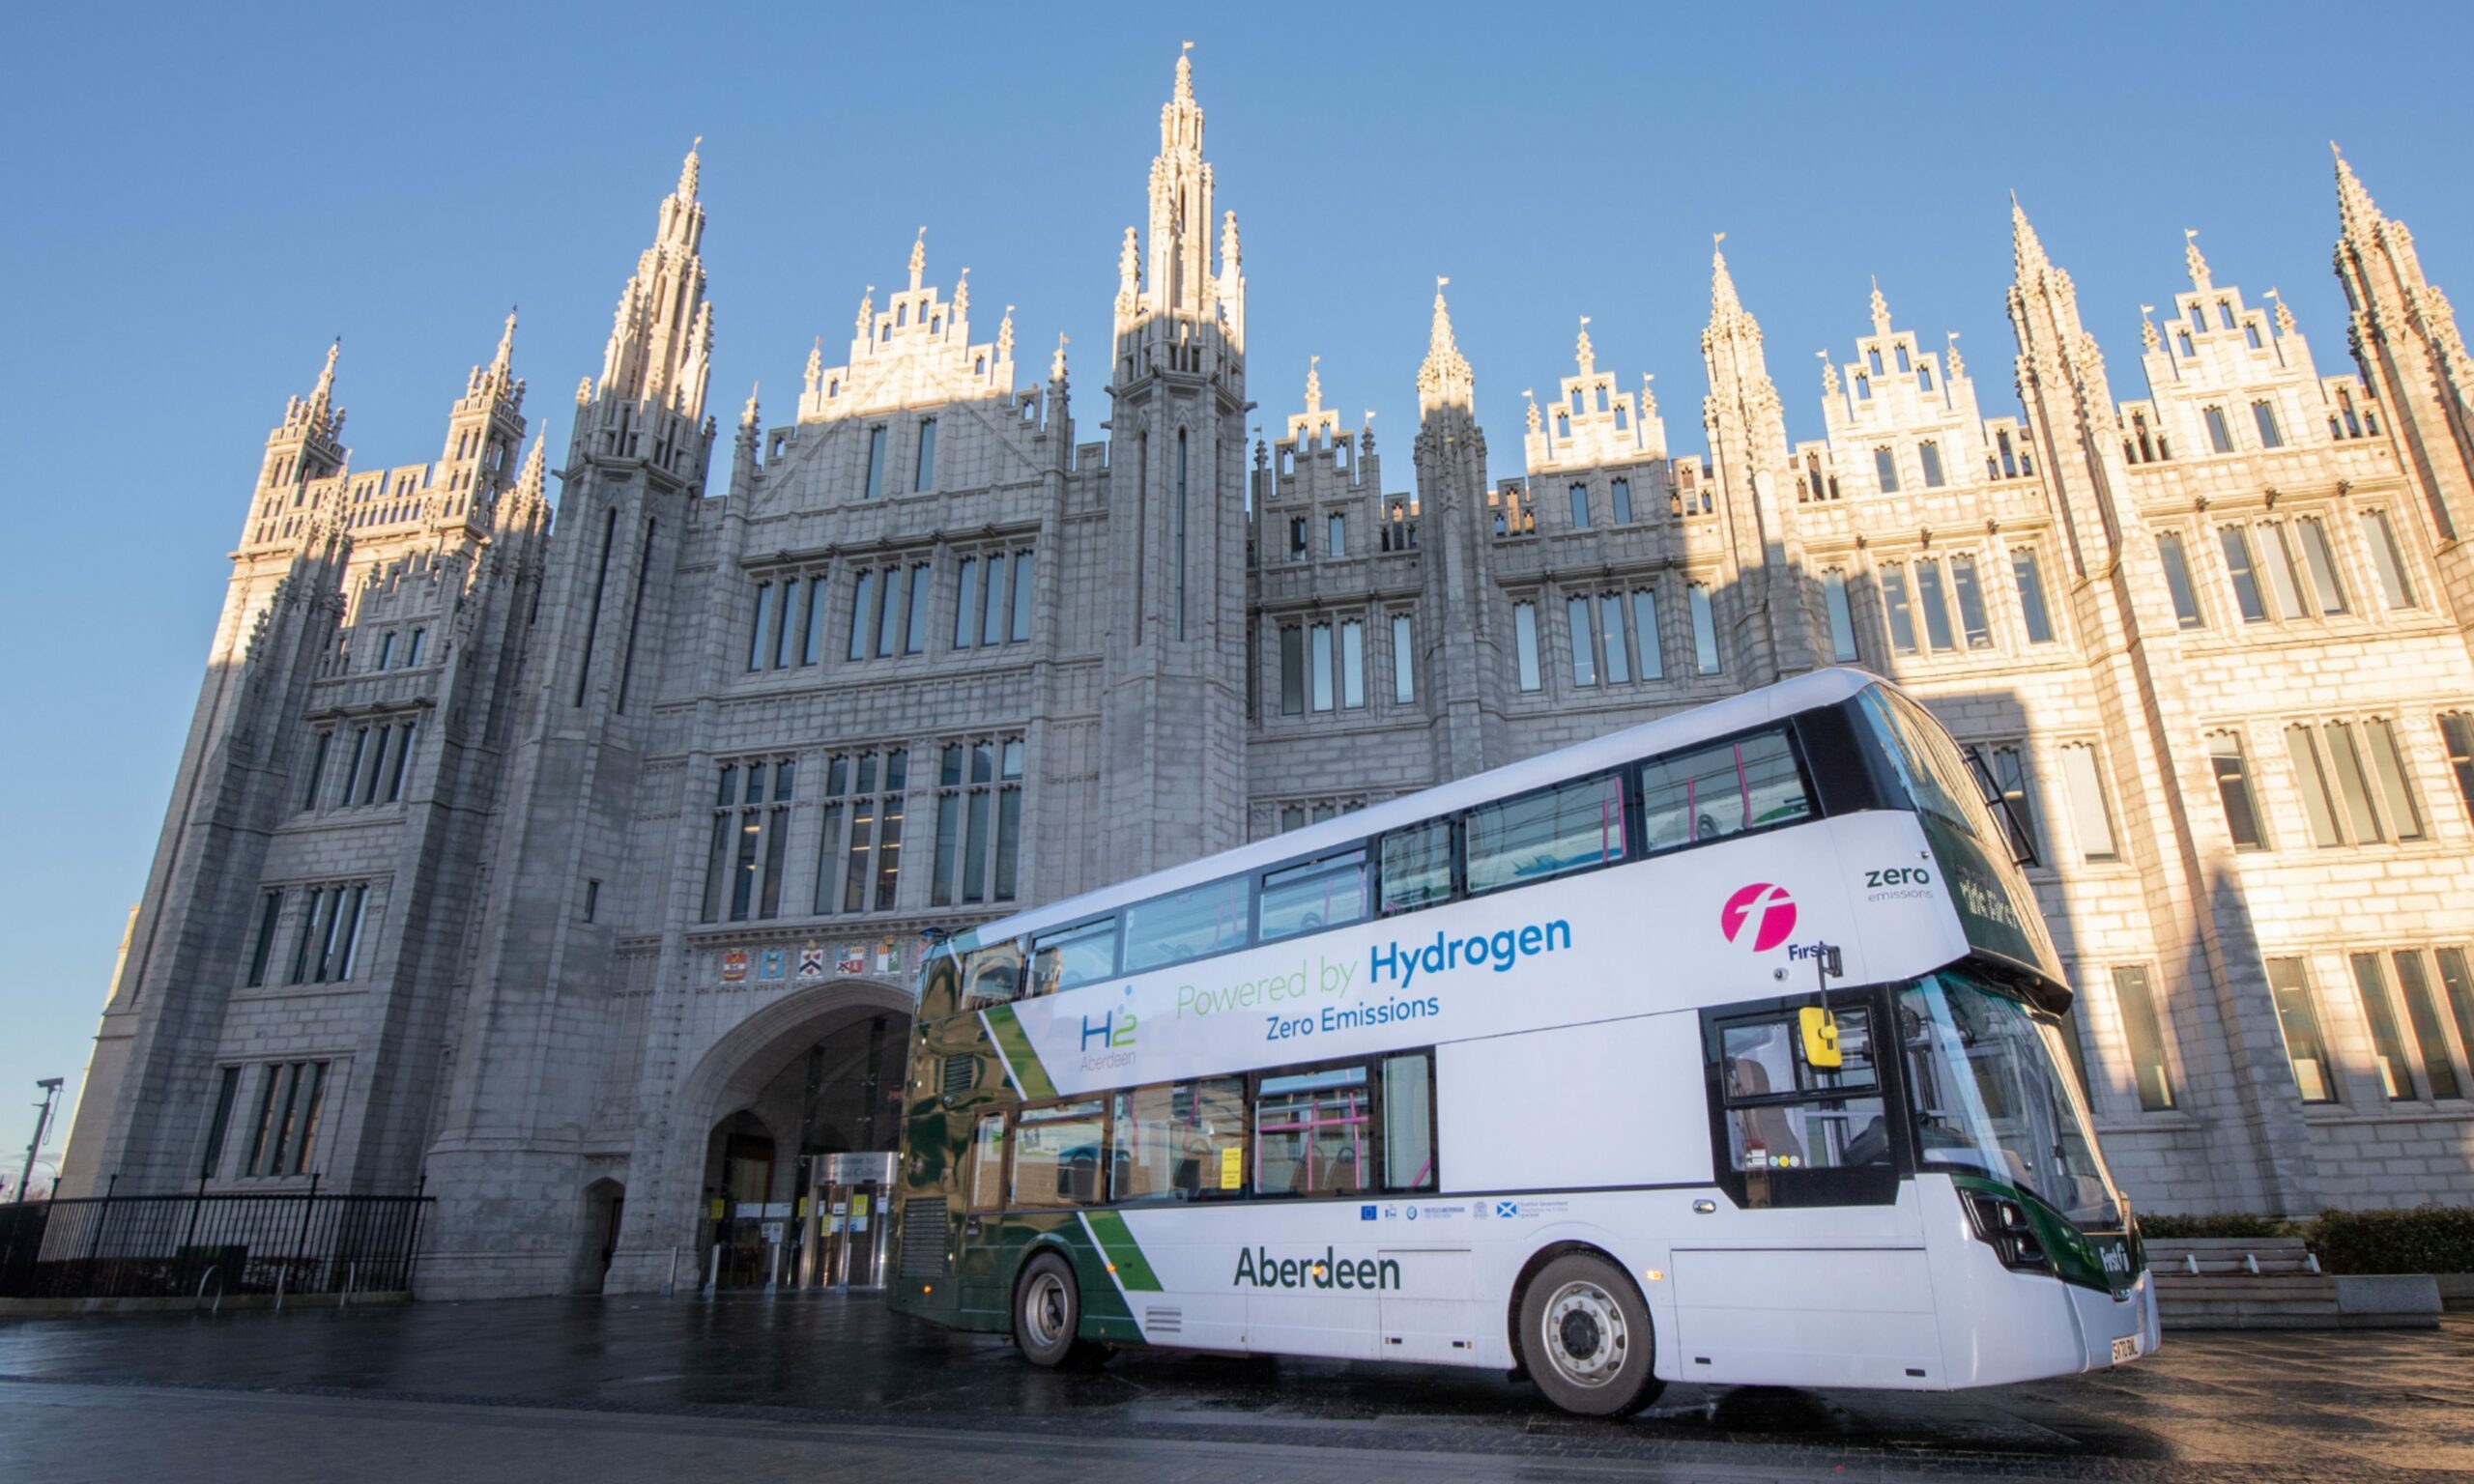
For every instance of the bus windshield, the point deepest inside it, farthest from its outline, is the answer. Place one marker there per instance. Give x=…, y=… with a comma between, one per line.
x=1991, y=1097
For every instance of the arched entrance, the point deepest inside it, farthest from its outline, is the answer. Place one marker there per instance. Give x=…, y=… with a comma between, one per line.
x=816, y=1074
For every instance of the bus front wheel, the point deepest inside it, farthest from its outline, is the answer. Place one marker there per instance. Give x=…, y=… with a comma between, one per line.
x=1047, y=1313
x=1585, y=1337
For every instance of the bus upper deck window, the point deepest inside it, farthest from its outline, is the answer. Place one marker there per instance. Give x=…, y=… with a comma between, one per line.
x=1417, y=866
x=1725, y=788
x=1309, y=897
x=992, y=976
x=1073, y=956
x=1200, y=920
x=1547, y=833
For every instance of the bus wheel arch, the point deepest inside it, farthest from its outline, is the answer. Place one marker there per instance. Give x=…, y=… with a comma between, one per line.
x=1047, y=1310
x=1604, y=1298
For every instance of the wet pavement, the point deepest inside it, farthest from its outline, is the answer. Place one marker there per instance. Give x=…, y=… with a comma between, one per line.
x=757, y=1388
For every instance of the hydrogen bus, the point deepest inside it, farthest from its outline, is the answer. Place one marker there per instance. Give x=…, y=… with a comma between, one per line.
x=1720, y=1049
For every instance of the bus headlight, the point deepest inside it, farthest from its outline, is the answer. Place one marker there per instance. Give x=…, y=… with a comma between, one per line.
x=2002, y=1223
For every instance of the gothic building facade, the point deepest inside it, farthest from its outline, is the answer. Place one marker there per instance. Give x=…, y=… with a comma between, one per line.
x=578, y=876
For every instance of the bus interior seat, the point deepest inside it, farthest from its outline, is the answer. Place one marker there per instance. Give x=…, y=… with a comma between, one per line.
x=1748, y=1078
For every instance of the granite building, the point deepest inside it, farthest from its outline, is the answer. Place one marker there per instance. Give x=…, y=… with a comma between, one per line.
x=578, y=874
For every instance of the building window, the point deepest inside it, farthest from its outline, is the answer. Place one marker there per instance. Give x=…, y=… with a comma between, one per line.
x=876, y=461
x=319, y=744
x=2265, y=415
x=863, y=612
x=2149, y=1074
x=1622, y=499
x=1971, y=619
x=1645, y=632
x=269, y=907
x=2418, y=1043
x=2233, y=790
x=751, y=832
x=979, y=821
x=1584, y=642
x=1318, y=653
x=225, y=1096
x=2457, y=733
x=2320, y=563
x=1619, y=661
x=1579, y=494
x=2090, y=814
x=1931, y=454
x=412, y=656
x=328, y=946
x=288, y=1111
x=403, y=760
x=1292, y=669
x=1404, y=662
x=2395, y=585
x=591, y=900
x=1894, y=603
x=2220, y=436
x=1885, y=470
x=1927, y=597
x=966, y=604
x=2343, y=798
x=2177, y=580
x=1353, y=664
x=914, y=634
x=2032, y=595
x=386, y=649
x=2244, y=575
x=1524, y=630
x=757, y=647
x=2007, y=764
x=2285, y=577
x=924, y=476
x=1705, y=631
x=1336, y=535
x=2313, y=1073
x=1842, y=617
x=1297, y=538
x=891, y=612
x=862, y=829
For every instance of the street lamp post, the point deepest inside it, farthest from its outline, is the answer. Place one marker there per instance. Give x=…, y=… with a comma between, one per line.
x=43, y=1118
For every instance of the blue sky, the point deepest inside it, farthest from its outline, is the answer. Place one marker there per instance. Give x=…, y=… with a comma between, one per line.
x=204, y=196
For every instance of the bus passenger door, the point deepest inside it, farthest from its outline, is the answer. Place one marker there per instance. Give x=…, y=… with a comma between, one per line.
x=1808, y=1267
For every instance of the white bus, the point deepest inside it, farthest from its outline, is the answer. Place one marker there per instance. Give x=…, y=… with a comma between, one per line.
x=1544, y=1071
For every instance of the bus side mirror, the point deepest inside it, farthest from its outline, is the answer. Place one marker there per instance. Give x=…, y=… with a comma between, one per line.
x=1820, y=1037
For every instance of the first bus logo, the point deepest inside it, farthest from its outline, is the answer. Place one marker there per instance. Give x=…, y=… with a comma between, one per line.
x=1763, y=911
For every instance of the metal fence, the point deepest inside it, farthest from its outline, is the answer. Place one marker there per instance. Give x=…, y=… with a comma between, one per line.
x=201, y=1246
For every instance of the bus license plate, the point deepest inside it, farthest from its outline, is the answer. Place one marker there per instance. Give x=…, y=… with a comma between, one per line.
x=2125, y=1347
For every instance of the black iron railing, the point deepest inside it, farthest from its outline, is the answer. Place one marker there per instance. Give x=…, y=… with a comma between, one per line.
x=200, y=1246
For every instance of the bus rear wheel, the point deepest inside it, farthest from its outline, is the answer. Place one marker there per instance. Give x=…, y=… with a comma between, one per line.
x=1048, y=1315
x=1585, y=1337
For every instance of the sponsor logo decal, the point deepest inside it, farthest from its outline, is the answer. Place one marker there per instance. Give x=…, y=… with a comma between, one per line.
x=1365, y=1213
x=1107, y=1042
x=1259, y=1268
x=1894, y=882
x=1761, y=916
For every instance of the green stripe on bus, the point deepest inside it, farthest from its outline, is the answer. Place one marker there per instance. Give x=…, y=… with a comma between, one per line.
x=1124, y=1253
x=1028, y=1075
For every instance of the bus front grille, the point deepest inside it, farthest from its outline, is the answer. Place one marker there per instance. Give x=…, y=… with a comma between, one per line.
x=923, y=1237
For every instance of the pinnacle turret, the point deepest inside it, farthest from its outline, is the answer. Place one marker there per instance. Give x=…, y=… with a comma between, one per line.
x=2194, y=263
x=1881, y=310
x=1722, y=284
x=1445, y=375
x=2028, y=254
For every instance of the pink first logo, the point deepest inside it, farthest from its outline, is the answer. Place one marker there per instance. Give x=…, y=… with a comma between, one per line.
x=1770, y=910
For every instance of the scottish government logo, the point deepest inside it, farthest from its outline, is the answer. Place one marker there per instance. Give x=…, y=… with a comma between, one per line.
x=1761, y=912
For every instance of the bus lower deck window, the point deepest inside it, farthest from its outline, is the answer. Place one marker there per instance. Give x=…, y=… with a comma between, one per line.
x=1056, y=1154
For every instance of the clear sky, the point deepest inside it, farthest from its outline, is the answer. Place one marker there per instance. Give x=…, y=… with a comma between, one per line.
x=206, y=195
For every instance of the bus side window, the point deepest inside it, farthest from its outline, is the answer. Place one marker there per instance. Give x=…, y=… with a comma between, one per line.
x=1785, y=1117
x=1073, y=956
x=987, y=1163
x=1057, y=1151
x=1546, y=833
x=1312, y=896
x=1707, y=794
x=1313, y=1133
x=992, y=976
x=1182, y=1142
x=1408, y=1123
x=1417, y=866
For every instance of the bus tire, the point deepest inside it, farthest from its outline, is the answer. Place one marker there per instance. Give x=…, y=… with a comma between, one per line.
x=1585, y=1337
x=1048, y=1315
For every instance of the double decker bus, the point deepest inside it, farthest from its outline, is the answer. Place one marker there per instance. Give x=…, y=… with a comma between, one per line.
x=1721, y=1050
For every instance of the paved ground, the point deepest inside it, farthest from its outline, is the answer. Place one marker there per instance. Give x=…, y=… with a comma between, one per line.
x=819, y=1386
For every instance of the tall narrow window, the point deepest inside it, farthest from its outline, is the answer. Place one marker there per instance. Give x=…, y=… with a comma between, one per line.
x=2327, y=591
x=2458, y=981
x=2177, y=580
x=829, y=834
x=376, y=772
x=1927, y=597
x=785, y=625
x=811, y=623
x=717, y=853
x=351, y=771
x=2422, y=1014
x=2386, y=559
x=2090, y=814
x=1292, y=669
x=2265, y=415
x=1524, y=632
x=1579, y=496
x=914, y=629
x=1931, y=454
x=2457, y=734
x=1336, y=535
x=224, y=1096
x=386, y=649
x=270, y=906
x=1405, y=660
x=2319, y=803
x=966, y=605
x=863, y=837
x=1623, y=501
x=889, y=615
x=1319, y=651
x=996, y=619
x=403, y=760
x=2220, y=435
x=1584, y=643
x=2146, y=1034
x=1842, y=617
x=2353, y=787
x=2032, y=595
x=1353, y=665
x=889, y=812
x=1971, y=619
x=2233, y=790
x=1022, y=590
x=1705, y=631
x=2285, y=579
x=1618, y=664
x=1886, y=469
x=1179, y=533
x=924, y=476
x=2239, y=569
x=412, y=656
x=863, y=612
x=2389, y=777
x=2388, y=1047
x=1645, y=629
x=1894, y=603
x=2313, y=1073
x=318, y=746
x=876, y=461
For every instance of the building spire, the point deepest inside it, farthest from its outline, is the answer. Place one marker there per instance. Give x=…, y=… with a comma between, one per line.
x=1828, y=373
x=2026, y=253
x=1445, y=375
x=918, y=259
x=1313, y=385
x=529, y=481
x=503, y=360
x=1530, y=395
x=2354, y=206
x=1005, y=336
x=1954, y=369
x=2285, y=315
x=1881, y=309
x=1722, y=284
x=1056, y=362
x=323, y=395
x=1185, y=94
x=689, y=171
x=1584, y=353
x=816, y=366
x=749, y=416
x=2148, y=335
x=2197, y=265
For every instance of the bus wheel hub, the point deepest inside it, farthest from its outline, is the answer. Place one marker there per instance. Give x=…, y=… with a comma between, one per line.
x=1584, y=1335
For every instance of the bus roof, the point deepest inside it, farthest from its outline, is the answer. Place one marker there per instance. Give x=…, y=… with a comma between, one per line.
x=1717, y=719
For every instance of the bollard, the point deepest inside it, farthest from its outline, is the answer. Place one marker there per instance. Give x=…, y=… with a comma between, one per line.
x=670, y=1279
x=773, y=1273
x=713, y=1273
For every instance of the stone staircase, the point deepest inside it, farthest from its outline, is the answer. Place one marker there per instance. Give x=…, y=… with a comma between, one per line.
x=2241, y=1283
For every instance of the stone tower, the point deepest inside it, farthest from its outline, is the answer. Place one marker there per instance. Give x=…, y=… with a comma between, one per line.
x=1173, y=685
x=1463, y=642
x=1747, y=434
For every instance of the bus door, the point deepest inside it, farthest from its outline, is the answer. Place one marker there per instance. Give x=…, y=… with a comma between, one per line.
x=1807, y=1268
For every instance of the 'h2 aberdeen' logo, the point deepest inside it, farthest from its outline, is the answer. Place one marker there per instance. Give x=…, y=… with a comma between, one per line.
x=1768, y=909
